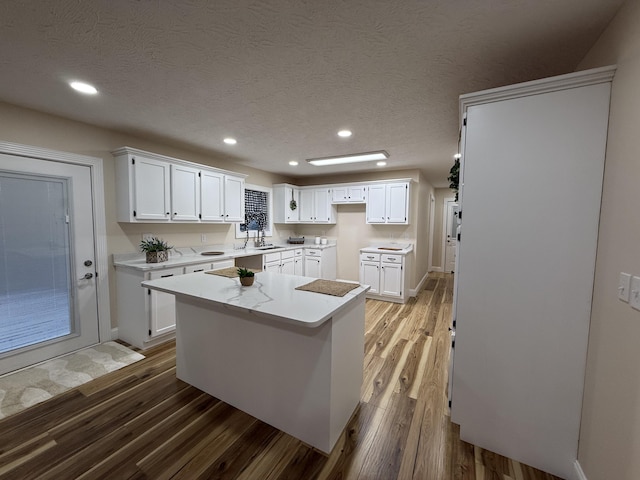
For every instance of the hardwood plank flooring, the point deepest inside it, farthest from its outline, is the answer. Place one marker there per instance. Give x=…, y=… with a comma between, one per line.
x=142, y=423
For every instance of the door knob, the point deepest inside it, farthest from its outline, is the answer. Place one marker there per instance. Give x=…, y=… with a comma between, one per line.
x=87, y=276
x=88, y=263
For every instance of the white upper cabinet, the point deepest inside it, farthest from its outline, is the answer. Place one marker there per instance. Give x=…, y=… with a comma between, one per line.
x=315, y=206
x=154, y=188
x=283, y=196
x=349, y=194
x=143, y=189
x=388, y=203
x=185, y=193
x=212, y=196
x=233, y=199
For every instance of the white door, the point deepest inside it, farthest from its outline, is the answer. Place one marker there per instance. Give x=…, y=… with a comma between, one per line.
x=312, y=267
x=233, y=199
x=288, y=266
x=298, y=266
x=48, y=300
x=322, y=204
x=152, y=186
x=163, y=305
x=370, y=275
x=391, y=279
x=306, y=206
x=376, y=206
x=450, y=230
x=185, y=193
x=211, y=197
x=397, y=203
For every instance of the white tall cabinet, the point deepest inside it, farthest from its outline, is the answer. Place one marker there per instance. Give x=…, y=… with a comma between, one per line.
x=531, y=181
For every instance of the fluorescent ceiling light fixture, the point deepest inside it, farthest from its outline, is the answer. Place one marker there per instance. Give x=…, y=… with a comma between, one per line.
x=381, y=164
x=230, y=141
x=83, y=88
x=344, y=133
x=356, y=157
x=293, y=163
x=457, y=156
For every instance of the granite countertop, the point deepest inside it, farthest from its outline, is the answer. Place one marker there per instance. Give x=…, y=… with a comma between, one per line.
x=272, y=296
x=182, y=256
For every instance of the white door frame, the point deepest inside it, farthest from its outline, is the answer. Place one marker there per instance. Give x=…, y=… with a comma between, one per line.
x=445, y=213
x=432, y=214
x=95, y=165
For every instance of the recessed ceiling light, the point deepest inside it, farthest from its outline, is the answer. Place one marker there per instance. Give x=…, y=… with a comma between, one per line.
x=230, y=141
x=83, y=88
x=293, y=163
x=457, y=156
x=344, y=133
x=381, y=164
x=356, y=157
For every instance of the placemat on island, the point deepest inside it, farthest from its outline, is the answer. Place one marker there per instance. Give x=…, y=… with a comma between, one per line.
x=230, y=272
x=329, y=287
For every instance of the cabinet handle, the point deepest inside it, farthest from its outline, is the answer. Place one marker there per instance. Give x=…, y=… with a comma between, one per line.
x=168, y=213
x=165, y=276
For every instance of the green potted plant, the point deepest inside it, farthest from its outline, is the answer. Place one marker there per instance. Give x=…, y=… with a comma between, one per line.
x=156, y=250
x=246, y=276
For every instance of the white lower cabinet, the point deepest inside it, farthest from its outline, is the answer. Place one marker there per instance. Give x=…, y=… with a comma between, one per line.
x=320, y=263
x=370, y=271
x=386, y=274
x=279, y=262
x=145, y=317
x=298, y=262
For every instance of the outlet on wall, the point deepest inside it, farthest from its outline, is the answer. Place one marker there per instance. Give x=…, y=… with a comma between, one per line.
x=203, y=238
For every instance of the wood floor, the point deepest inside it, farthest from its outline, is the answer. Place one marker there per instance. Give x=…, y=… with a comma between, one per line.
x=142, y=423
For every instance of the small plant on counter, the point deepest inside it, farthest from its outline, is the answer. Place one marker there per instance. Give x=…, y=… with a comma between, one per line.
x=246, y=276
x=156, y=250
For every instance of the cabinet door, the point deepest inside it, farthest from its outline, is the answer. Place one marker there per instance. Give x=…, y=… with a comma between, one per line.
x=312, y=267
x=162, y=305
x=391, y=279
x=288, y=266
x=322, y=205
x=185, y=193
x=306, y=206
x=233, y=199
x=292, y=194
x=151, y=180
x=211, y=196
x=357, y=194
x=370, y=275
x=298, y=266
x=272, y=267
x=340, y=194
x=397, y=202
x=376, y=205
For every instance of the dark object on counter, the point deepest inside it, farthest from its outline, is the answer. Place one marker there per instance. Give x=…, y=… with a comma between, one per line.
x=296, y=240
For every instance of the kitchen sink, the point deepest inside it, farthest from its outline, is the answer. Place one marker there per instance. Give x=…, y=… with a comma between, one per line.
x=212, y=253
x=269, y=247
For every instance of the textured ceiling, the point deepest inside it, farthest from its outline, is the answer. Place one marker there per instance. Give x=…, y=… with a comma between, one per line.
x=283, y=76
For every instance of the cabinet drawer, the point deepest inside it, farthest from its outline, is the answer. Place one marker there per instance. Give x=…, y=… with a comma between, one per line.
x=271, y=257
x=391, y=258
x=223, y=264
x=313, y=252
x=287, y=254
x=369, y=257
x=298, y=252
x=201, y=267
x=165, y=272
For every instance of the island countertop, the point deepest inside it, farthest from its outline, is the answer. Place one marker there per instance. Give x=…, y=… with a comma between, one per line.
x=272, y=295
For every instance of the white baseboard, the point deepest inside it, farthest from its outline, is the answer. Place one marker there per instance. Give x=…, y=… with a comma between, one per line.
x=414, y=291
x=579, y=473
x=114, y=333
x=436, y=269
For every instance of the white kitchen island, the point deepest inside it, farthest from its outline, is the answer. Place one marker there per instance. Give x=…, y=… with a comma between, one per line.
x=291, y=358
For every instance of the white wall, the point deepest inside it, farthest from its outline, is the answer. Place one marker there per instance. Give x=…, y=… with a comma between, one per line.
x=610, y=427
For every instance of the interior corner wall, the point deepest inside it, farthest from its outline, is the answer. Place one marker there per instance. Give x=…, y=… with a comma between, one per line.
x=610, y=426
x=30, y=127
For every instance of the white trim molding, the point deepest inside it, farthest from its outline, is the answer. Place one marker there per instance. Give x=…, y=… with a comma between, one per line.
x=100, y=224
x=579, y=472
x=413, y=292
